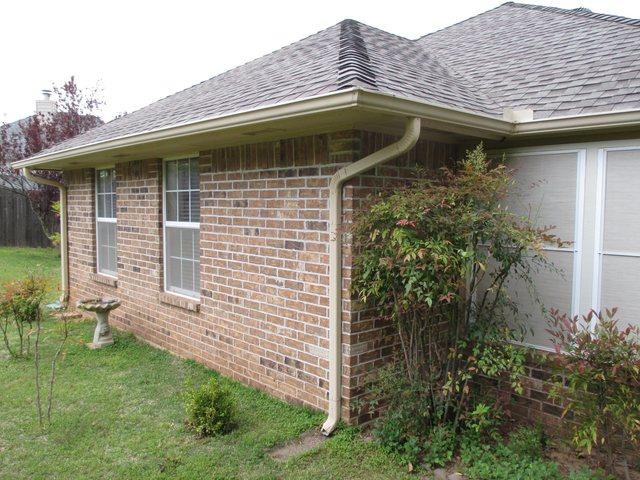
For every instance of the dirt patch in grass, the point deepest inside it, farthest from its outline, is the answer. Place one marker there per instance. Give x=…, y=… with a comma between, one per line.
x=305, y=442
x=569, y=461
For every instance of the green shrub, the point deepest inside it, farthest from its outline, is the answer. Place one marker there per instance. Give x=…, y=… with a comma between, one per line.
x=483, y=461
x=21, y=303
x=435, y=257
x=397, y=436
x=515, y=468
x=483, y=420
x=598, y=379
x=440, y=447
x=528, y=442
x=402, y=429
x=210, y=409
x=521, y=458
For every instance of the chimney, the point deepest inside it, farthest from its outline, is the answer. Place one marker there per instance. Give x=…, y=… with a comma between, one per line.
x=45, y=105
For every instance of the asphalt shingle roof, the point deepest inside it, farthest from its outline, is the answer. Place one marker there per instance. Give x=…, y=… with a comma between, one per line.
x=555, y=61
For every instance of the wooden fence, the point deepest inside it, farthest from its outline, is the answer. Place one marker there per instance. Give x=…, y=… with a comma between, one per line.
x=19, y=226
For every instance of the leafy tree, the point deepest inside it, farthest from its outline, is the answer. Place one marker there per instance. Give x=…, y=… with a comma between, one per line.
x=75, y=114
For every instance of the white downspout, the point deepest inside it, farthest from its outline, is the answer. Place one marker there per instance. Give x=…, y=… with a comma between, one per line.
x=406, y=143
x=64, y=243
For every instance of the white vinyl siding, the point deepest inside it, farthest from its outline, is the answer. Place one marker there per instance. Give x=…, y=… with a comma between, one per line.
x=106, y=223
x=182, y=227
x=548, y=190
x=618, y=234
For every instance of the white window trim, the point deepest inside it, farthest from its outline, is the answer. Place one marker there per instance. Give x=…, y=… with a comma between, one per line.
x=98, y=219
x=165, y=224
x=193, y=225
x=598, y=251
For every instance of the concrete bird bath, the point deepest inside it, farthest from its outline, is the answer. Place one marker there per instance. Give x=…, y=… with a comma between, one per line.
x=101, y=306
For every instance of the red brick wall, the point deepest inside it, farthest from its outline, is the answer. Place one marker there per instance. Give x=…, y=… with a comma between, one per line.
x=533, y=406
x=262, y=317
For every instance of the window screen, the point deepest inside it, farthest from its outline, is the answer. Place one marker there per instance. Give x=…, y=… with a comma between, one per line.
x=106, y=221
x=545, y=190
x=619, y=253
x=182, y=227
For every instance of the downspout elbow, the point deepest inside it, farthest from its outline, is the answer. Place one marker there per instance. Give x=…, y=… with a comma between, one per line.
x=406, y=143
x=64, y=243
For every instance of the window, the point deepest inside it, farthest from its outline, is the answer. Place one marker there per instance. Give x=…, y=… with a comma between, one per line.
x=617, y=252
x=549, y=190
x=600, y=182
x=106, y=250
x=182, y=227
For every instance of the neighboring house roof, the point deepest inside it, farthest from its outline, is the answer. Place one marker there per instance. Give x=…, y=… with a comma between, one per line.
x=557, y=62
x=13, y=130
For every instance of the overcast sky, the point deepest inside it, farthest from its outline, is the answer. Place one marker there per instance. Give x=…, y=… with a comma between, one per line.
x=139, y=51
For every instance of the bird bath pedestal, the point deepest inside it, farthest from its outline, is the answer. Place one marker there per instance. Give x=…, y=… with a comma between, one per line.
x=101, y=306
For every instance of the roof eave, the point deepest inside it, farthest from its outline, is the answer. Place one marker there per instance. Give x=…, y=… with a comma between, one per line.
x=447, y=118
x=622, y=119
x=590, y=122
x=321, y=103
x=437, y=116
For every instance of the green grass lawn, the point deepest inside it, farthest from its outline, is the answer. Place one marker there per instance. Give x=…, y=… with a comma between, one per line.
x=118, y=413
x=18, y=262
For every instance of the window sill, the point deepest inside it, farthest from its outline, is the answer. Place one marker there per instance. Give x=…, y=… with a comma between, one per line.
x=192, y=305
x=104, y=279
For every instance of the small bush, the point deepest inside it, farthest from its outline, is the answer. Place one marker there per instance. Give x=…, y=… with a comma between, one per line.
x=440, y=447
x=402, y=429
x=210, y=409
x=397, y=437
x=21, y=304
x=528, y=442
x=521, y=458
x=485, y=461
x=491, y=468
x=483, y=420
x=598, y=380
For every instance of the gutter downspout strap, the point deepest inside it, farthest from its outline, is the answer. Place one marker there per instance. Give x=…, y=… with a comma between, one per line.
x=406, y=143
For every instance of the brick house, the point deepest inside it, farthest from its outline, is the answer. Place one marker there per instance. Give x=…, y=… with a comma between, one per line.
x=215, y=214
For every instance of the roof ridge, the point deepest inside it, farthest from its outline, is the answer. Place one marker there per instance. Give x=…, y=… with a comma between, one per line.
x=580, y=12
x=354, y=64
